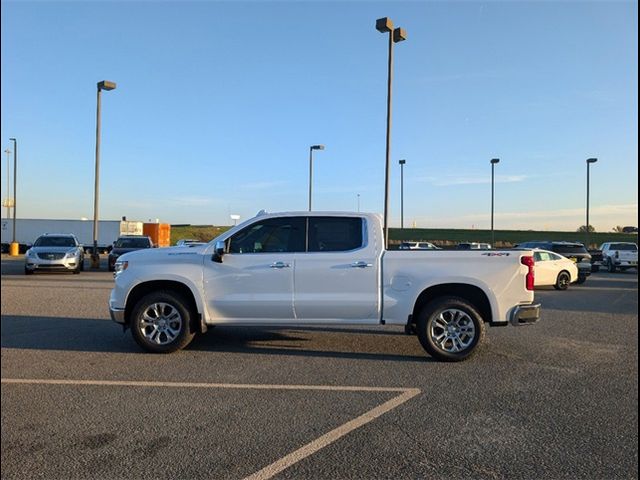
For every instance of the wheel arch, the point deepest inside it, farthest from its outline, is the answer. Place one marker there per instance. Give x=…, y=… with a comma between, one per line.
x=144, y=288
x=471, y=293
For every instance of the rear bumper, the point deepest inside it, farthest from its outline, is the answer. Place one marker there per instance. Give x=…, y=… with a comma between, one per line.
x=525, y=314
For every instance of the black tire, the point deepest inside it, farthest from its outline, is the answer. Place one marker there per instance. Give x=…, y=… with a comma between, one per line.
x=611, y=267
x=581, y=279
x=563, y=281
x=27, y=271
x=595, y=268
x=82, y=264
x=157, y=337
x=467, y=326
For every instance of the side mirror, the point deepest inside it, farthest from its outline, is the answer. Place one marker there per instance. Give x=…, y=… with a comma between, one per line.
x=218, y=251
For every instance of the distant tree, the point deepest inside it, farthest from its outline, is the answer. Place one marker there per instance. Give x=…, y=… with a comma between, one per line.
x=618, y=229
x=583, y=228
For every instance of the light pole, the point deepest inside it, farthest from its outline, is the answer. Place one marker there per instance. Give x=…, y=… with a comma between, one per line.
x=589, y=162
x=402, y=162
x=7, y=202
x=493, y=164
x=95, y=256
x=311, y=149
x=385, y=25
x=14, y=249
x=358, y=203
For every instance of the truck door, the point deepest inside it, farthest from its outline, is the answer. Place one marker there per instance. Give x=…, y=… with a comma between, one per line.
x=254, y=282
x=336, y=279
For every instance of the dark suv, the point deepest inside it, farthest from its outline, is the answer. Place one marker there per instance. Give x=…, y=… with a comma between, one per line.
x=572, y=250
x=126, y=244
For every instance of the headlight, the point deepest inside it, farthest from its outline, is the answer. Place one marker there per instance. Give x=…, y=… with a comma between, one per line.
x=119, y=267
x=31, y=253
x=72, y=253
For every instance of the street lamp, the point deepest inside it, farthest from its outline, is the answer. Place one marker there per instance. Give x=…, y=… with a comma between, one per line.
x=589, y=162
x=402, y=162
x=95, y=257
x=493, y=164
x=358, y=203
x=14, y=249
x=385, y=25
x=311, y=149
x=7, y=202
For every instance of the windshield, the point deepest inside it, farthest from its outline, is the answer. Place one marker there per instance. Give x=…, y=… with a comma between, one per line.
x=55, y=242
x=624, y=246
x=141, y=242
x=569, y=249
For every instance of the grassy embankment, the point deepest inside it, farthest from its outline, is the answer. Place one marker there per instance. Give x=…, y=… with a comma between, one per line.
x=441, y=237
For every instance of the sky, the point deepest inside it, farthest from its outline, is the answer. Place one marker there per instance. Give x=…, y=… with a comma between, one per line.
x=217, y=104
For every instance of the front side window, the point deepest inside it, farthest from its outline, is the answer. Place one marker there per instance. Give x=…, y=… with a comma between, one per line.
x=270, y=236
x=335, y=234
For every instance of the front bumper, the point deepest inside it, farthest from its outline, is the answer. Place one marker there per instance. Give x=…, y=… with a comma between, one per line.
x=117, y=315
x=63, y=264
x=525, y=314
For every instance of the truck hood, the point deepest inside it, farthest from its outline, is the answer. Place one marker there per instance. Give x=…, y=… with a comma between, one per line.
x=167, y=254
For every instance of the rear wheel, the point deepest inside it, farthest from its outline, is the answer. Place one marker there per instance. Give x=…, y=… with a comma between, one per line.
x=450, y=329
x=563, y=281
x=611, y=267
x=161, y=322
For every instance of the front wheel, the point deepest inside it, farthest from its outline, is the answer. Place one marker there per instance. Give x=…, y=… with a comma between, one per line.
x=450, y=329
x=563, y=281
x=581, y=279
x=161, y=322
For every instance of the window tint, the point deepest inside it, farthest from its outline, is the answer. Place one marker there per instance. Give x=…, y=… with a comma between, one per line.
x=555, y=256
x=334, y=234
x=142, y=242
x=624, y=246
x=569, y=249
x=49, y=241
x=270, y=236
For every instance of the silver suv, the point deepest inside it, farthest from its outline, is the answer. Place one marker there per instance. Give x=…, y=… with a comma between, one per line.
x=55, y=251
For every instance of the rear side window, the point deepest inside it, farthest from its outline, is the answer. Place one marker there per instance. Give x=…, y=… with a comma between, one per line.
x=334, y=234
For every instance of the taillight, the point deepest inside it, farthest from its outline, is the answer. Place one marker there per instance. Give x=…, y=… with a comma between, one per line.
x=528, y=261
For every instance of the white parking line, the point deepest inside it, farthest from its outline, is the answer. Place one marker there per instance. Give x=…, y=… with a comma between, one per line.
x=288, y=460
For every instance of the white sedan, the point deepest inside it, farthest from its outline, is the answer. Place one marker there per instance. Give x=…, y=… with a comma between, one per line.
x=554, y=269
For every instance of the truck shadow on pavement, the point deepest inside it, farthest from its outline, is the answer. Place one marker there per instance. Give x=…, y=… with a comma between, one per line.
x=94, y=335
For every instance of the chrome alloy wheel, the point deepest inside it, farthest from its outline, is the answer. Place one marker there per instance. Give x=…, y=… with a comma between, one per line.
x=452, y=330
x=161, y=323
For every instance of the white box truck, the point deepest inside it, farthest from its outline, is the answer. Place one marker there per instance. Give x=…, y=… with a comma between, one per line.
x=28, y=229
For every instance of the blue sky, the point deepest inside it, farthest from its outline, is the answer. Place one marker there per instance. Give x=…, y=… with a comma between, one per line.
x=218, y=102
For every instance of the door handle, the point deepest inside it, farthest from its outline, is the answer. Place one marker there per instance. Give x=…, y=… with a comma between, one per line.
x=361, y=265
x=280, y=265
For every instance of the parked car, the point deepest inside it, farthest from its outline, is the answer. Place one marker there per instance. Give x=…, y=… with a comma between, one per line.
x=596, y=259
x=554, y=269
x=473, y=246
x=54, y=251
x=126, y=244
x=315, y=268
x=417, y=246
x=574, y=251
x=619, y=255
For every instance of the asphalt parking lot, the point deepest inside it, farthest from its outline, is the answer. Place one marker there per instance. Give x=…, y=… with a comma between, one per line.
x=558, y=399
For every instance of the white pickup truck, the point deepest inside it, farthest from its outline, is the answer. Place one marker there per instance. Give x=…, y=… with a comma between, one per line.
x=619, y=255
x=321, y=268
